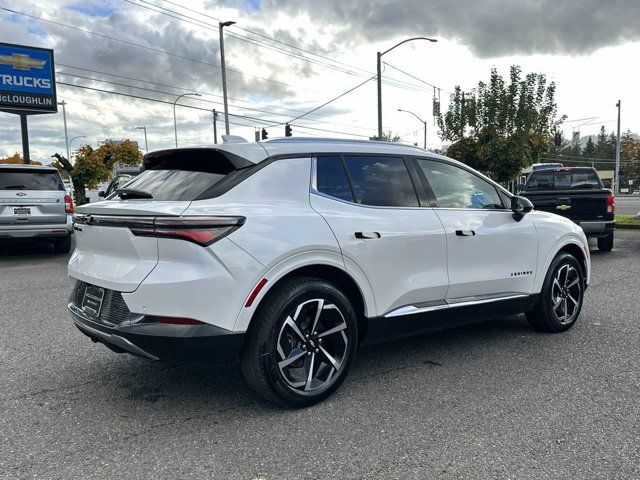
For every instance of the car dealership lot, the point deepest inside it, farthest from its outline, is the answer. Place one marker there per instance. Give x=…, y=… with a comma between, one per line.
x=495, y=400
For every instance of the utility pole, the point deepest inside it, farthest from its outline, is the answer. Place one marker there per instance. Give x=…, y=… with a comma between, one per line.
x=66, y=134
x=214, y=119
x=25, y=139
x=379, y=75
x=221, y=26
x=616, y=176
x=462, y=117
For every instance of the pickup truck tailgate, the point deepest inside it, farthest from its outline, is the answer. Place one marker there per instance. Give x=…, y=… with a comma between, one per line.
x=578, y=205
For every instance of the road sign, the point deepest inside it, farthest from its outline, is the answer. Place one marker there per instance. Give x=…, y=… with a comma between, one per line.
x=27, y=80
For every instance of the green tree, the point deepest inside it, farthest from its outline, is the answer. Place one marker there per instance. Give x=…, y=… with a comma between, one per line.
x=589, y=149
x=630, y=159
x=605, y=145
x=501, y=126
x=93, y=166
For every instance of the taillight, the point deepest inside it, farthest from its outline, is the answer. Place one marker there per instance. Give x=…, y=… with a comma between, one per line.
x=200, y=230
x=611, y=204
x=68, y=203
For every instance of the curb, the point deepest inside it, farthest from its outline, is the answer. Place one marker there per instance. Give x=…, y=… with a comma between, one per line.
x=627, y=227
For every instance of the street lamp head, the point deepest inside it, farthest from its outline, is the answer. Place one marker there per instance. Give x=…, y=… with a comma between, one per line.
x=226, y=24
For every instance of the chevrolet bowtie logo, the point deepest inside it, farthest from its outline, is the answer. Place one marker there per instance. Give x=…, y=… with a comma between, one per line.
x=20, y=61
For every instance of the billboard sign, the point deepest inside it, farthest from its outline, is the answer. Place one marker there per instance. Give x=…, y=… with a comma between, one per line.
x=27, y=80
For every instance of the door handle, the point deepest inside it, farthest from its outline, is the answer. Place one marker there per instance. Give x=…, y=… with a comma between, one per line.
x=465, y=233
x=367, y=235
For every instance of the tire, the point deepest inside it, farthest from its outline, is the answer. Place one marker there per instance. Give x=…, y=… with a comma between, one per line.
x=561, y=297
x=605, y=244
x=62, y=245
x=282, y=349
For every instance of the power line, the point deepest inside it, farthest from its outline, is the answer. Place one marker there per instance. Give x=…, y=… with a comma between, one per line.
x=418, y=79
x=157, y=50
x=202, y=24
x=332, y=100
x=211, y=102
x=296, y=111
x=252, y=32
x=260, y=120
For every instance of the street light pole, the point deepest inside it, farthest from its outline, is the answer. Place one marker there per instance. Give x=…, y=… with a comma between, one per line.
x=146, y=144
x=379, y=70
x=175, y=123
x=421, y=121
x=66, y=134
x=221, y=26
x=616, y=176
x=71, y=141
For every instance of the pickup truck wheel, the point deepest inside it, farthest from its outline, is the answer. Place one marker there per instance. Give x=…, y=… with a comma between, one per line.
x=561, y=296
x=605, y=243
x=62, y=245
x=301, y=343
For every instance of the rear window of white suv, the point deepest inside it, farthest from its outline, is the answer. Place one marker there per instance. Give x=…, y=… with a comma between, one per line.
x=184, y=175
x=23, y=179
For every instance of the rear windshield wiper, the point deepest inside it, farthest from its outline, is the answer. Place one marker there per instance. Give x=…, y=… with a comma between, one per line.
x=15, y=187
x=132, y=193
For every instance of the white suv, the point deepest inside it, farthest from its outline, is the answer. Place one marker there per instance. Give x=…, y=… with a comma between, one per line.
x=293, y=252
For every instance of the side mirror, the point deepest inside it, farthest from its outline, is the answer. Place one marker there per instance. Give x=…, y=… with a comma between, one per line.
x=101, y=193
x=519, y=187
x=520, y=207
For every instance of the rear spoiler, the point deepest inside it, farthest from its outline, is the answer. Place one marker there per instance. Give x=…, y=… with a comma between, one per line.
x=193, y=157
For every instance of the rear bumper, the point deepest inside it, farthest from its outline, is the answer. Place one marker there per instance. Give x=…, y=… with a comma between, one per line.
x=598, y=228
x=158, y=341
x=28, y=230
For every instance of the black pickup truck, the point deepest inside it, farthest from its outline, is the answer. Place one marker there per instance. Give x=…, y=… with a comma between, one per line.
x=578, y=194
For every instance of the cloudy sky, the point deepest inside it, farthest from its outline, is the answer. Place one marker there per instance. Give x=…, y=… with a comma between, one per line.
x=287, y=57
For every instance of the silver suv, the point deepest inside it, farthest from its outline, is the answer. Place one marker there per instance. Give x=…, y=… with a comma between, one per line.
x=35, y=205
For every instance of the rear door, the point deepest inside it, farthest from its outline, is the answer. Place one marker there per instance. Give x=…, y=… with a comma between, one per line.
x=31, y=196
x=372, y=207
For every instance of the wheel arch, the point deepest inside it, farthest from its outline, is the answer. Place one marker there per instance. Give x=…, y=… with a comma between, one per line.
x=573, y=246
x=328, y=270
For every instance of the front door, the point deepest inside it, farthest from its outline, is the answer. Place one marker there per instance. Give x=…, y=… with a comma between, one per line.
x=489, y=254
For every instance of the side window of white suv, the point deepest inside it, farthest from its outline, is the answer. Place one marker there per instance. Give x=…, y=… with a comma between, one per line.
x=380, y=181
x=455, y=187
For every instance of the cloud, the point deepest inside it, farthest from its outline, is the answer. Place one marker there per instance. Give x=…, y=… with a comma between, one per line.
x=489, y=28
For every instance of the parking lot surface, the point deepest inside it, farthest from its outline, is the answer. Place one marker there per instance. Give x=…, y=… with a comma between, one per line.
x=628, y=204
x=495, y=400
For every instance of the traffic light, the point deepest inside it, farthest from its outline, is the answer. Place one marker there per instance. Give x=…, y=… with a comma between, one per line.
x=287, y=130
x=558, y=139
x=264, y=134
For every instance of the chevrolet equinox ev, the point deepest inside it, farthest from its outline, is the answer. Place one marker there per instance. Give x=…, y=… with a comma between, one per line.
x=291, y=253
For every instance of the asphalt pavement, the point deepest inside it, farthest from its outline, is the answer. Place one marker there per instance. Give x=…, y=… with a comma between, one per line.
x=628, y=204
x=495, y=400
